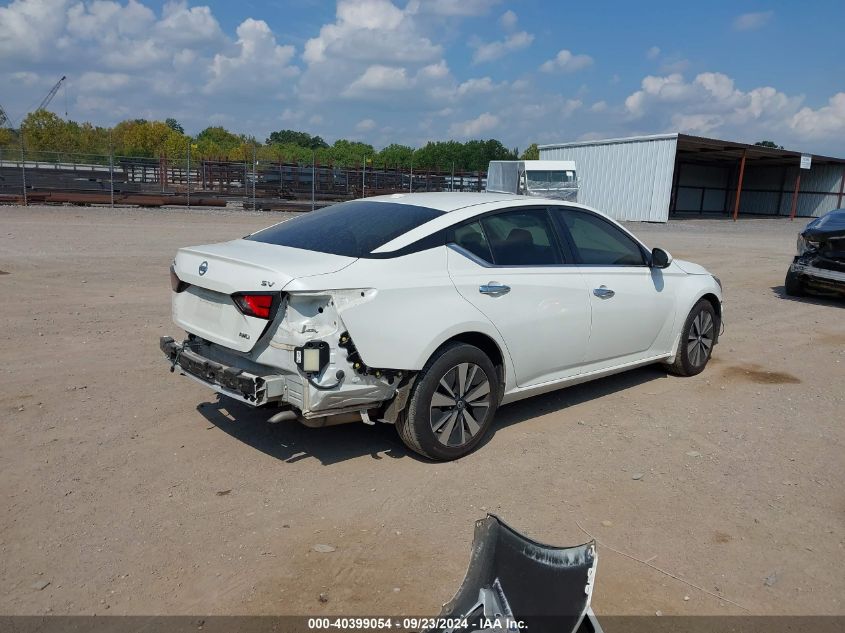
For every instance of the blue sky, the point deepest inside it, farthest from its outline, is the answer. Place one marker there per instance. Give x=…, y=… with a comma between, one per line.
x=415, y=70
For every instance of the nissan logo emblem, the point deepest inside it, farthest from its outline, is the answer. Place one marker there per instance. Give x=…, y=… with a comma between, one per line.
x=203, y=268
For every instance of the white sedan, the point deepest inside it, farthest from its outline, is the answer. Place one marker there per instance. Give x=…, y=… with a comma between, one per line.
x=430, y=310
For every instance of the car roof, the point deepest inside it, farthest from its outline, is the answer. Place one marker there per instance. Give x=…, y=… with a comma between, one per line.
x=447, y=201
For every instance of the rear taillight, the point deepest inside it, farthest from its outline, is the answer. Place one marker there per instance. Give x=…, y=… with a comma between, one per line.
x=175, y=283
x=259, y=305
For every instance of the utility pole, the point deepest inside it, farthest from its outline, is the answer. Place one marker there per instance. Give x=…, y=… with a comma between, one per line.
x=313, y=176
x=411, y=181
x=363, y=176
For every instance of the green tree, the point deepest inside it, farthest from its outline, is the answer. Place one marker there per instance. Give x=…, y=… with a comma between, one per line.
x=347, y=153
x=218, y=142
x=45, y=131
x=174, y=125
x=140, y=138
x=292, y=137
x=8, y=138
x=394, y=156
x=770, y=144
x=176, y=145
x=532, y=152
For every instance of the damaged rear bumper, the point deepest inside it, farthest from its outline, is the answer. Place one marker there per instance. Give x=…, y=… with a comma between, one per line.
x=515, y=583
x=237, y=383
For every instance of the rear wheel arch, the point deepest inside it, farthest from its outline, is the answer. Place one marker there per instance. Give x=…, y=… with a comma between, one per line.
x=487, y=345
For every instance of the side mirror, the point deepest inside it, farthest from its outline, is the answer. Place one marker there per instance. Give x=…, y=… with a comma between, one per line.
x=660, y=258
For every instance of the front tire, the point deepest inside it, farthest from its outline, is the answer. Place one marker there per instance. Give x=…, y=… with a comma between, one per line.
x=793, y=286
x=452, y=405
x=701, y=330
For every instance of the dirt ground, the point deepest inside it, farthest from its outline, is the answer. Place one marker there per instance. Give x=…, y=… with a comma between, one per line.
x=130, y=490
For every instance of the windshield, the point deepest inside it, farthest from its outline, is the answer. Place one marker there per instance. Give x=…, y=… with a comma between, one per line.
x=352, y=229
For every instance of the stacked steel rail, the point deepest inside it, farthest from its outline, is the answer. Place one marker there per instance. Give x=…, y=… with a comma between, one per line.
x=54, y=177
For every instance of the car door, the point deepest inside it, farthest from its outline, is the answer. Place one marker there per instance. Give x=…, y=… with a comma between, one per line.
x=513, y=268
x=632, y=305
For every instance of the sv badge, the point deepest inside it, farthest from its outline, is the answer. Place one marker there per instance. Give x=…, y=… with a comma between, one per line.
x=268, y=284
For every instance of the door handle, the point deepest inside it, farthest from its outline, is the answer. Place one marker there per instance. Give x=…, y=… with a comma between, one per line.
x=603, y=292
x=494, y=288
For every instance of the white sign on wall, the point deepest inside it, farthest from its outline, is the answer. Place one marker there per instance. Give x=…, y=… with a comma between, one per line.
x=806, y=161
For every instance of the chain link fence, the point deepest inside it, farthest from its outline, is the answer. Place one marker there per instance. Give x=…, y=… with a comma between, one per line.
x=42, y=177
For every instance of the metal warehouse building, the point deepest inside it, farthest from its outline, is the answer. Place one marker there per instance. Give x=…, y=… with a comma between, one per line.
x=652, y=178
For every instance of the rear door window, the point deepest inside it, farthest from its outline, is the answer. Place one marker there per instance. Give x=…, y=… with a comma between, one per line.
x=522, y=237
x=471, y=237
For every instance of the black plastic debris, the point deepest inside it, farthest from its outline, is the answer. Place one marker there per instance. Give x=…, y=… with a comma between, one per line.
x=514, y=583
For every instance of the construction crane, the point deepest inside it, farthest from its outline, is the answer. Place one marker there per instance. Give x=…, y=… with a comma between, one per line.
x=51, y=94
x=4, y=118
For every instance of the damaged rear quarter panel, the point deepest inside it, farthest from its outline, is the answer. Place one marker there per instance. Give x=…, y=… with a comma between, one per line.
x=396, y=329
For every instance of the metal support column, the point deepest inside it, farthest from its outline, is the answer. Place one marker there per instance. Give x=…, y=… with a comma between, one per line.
x=795, y=196
x=841, y=190
x=739, y=184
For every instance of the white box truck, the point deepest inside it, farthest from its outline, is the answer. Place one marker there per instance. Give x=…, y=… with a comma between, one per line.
x=541, y=178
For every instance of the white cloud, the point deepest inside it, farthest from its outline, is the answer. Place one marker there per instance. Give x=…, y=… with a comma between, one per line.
x=599, y=106
x=653, y=52
x=183, y=26
x=476, y=86
x=508, y=20
x=370, y=31
x=452, y=7
x=365, y=125
x=489, y=51
x=378, y=78
x=27, y=27
x=566, y=62
x=827, y=121
x=474, y=127
x=752, y=21
x=258, y=60
x=712, y=104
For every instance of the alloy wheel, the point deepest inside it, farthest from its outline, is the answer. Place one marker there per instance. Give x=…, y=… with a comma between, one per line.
x=700, y=338
x=459, y=404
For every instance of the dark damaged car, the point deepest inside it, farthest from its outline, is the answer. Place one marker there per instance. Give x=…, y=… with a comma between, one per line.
x=820, y=263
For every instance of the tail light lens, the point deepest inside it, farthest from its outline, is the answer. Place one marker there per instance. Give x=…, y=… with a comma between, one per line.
x=175, y=283
x=259, y=305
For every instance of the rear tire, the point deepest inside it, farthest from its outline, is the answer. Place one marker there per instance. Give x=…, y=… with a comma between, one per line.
x=699, y=335
x=452, y=405
x=793, y=286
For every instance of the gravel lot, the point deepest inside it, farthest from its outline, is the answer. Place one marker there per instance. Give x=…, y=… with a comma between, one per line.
x=130, y=490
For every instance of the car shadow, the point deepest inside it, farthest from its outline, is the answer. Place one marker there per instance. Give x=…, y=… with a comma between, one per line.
x=814, y=299
x=562, y=399
x=291, y=442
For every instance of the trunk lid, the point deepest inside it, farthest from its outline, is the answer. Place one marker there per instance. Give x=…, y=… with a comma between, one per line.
x=217, y=271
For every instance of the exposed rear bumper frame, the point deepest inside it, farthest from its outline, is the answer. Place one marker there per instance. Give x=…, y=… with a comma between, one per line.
x=234, y=382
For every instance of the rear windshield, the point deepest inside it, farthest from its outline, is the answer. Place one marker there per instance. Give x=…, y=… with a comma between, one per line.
x=352, y=229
